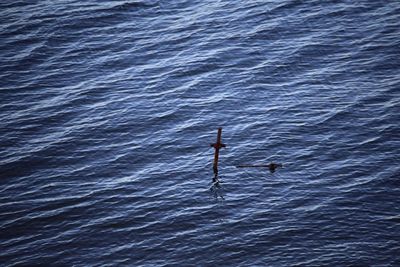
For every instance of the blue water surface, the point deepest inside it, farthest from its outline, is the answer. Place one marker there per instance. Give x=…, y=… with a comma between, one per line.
x=108, y=109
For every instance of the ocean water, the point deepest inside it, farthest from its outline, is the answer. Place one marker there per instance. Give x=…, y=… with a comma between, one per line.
x=108, y=109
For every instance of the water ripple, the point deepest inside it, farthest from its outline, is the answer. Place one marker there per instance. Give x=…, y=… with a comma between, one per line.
x=107, y=111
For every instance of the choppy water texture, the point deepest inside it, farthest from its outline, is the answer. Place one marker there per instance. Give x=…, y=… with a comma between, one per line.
x=107, y=110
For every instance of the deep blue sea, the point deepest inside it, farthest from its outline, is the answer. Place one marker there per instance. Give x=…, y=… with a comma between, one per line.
x=108, y=109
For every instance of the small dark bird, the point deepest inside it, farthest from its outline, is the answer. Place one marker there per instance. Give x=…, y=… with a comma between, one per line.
x=272, y=166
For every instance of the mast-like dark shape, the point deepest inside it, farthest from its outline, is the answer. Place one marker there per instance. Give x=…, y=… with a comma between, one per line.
x=217, y=146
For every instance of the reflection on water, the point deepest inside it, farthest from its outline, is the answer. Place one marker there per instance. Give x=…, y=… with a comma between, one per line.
x=216, y=188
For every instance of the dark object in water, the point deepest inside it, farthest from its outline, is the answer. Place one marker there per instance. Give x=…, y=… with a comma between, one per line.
x=272, y=166
x=217, y=146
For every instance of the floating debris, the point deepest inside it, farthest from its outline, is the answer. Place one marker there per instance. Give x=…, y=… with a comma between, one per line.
x=217, y=147
x=215, y=186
